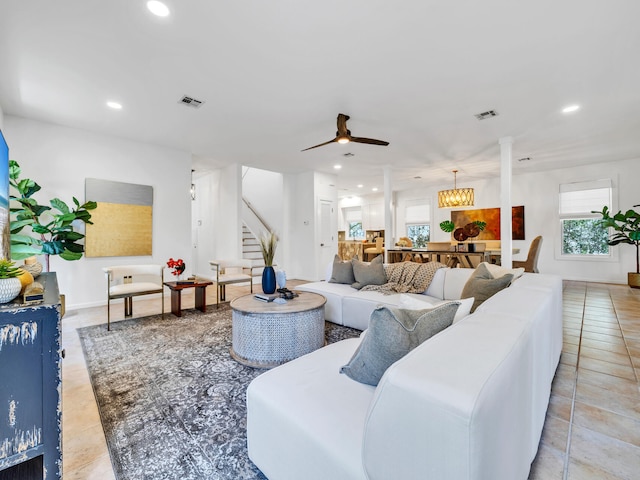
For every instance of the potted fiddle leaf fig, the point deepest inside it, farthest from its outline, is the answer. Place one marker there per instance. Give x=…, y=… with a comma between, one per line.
x=49, y=229
x=626, y=229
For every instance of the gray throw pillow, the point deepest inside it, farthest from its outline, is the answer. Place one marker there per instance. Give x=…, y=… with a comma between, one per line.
x=368, y=273
x=482, y=285
x=392, y=333
x=342, y=272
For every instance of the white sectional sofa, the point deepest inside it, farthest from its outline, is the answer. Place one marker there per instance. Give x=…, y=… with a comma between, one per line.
x=352, y=308
x=469, y=403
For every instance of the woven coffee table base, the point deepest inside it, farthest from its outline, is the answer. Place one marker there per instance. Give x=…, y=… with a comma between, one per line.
x=266, y=340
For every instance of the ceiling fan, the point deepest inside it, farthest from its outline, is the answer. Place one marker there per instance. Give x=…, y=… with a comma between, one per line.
x=343, y=135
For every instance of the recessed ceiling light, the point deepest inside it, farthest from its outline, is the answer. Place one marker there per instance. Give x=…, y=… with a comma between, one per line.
x=571, y=109
x=360, y=185
x=374, y=189
x=337, y=167
x=114, y=105
x=158, y=8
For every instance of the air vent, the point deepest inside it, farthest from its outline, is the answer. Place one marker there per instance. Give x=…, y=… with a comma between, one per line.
x=191, y=102
x=487, y=114
x=348, y=154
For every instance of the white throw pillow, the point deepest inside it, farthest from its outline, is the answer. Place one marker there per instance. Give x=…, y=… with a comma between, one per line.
x=463, y=310
x=498, y=271
x=411, y=303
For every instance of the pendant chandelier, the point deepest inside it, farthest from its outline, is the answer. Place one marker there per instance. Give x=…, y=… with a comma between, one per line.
x=458, y=197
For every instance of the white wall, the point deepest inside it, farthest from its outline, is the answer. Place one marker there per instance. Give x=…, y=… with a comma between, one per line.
x=298, y=259
x=1, y=117
x=538, y=192
x=60, y=158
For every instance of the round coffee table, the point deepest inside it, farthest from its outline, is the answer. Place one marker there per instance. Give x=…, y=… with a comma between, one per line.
x=267, y=334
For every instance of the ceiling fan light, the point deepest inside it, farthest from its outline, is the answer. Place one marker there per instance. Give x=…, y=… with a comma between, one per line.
x=343, y=140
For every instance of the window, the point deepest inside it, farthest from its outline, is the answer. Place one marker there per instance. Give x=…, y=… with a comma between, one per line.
x=581, y=232
x=353, y=220
x=355, y=230
x=416, y=219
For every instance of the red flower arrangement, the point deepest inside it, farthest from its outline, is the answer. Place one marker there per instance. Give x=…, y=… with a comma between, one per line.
x=177, y=265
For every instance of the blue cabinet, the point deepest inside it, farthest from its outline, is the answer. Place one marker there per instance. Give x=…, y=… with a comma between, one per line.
x=30, y=387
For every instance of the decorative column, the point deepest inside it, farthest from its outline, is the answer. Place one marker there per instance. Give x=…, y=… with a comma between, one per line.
x=506, y=242
x=388, y=220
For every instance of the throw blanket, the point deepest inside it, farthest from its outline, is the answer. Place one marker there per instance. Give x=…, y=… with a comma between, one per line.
x=406, y=277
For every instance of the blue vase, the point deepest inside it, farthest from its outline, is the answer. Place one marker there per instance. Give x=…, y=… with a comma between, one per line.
x=268, y=280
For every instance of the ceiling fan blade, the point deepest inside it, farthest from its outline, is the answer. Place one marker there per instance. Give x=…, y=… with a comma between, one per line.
x=371, y=141
x=320, y=145
x=342, y=125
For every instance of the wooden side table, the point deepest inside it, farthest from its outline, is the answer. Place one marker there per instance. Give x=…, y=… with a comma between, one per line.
x=176, y=295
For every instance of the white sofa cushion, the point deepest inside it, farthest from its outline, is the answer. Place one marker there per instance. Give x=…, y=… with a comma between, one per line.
x=305, y=420
x=334, y=293
x=413, y=303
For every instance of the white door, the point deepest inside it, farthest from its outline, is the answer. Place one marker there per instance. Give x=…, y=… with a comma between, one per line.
x=327, y=235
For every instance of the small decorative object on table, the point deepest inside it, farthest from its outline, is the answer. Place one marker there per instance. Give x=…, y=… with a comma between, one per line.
x=281, y=278
x=268, y=244
x=10, y=284
x=178, y=267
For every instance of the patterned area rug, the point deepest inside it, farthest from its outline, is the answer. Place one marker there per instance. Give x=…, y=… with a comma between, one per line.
x=171, y=398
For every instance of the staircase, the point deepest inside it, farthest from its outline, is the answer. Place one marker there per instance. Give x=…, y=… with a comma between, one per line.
x=250, y=245
x=251, y=250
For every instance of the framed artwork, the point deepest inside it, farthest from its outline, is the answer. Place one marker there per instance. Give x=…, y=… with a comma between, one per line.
x=491, y=216
x=5, y=221
x=122, y=222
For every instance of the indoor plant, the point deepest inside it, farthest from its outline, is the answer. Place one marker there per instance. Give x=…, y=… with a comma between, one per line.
x=10, y=284
x=52, y=226
x=626, y=229
x=268, y=245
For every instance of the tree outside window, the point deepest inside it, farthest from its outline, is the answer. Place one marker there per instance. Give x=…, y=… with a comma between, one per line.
x=419, y=235
x=355, y=230
x=584, y=236
x=582, y=233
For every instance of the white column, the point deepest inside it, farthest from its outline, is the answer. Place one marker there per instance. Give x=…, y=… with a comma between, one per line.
x=388, y=220
x=506, y=242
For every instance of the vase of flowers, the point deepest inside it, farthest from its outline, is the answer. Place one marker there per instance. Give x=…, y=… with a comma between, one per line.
x=178, y=267
x=268, y=245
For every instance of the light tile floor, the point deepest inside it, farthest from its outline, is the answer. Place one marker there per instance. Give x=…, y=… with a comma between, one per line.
x=592, y=430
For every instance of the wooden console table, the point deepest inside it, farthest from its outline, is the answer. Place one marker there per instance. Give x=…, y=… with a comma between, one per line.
x=176, y=295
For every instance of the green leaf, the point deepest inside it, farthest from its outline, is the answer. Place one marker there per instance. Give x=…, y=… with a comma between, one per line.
x=24, y=239
x=60, y=205
x=70, y=235
x=52, y=248
x=28, y=250
x=41, y=229
x=69, y=255
x=447, y=226
x=14, y=170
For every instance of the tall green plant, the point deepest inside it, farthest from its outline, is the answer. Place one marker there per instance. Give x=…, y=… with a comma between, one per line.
x=626, y=229
x=51, y=226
